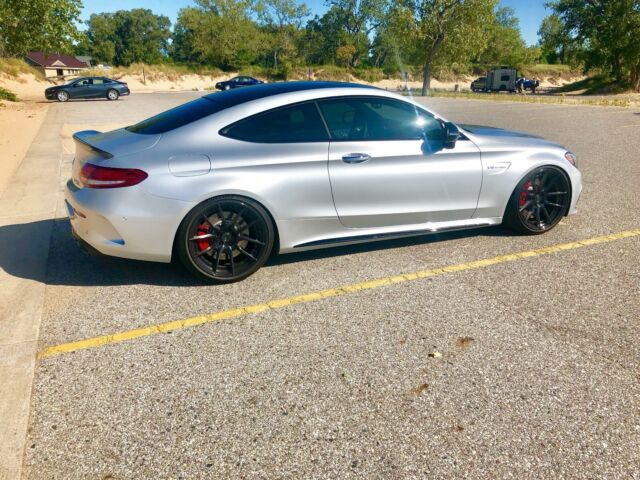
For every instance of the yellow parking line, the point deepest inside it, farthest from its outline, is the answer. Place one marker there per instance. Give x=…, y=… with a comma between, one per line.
x=314, y=296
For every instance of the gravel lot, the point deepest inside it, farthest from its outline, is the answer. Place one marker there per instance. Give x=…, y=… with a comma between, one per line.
x=527, y=369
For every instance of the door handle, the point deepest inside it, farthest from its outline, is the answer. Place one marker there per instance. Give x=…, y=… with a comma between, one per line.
x=355, y=157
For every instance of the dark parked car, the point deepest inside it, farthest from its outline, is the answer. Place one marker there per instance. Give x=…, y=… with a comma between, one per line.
x=88, y=87
x=479, y=84
x=235, y=82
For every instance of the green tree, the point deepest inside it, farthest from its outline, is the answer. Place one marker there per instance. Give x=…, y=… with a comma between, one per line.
x=556, y=44
x=443, y=31
x=608, y=32
x=281, y=22
x=46, y=25
x=505, y=45
x=218, y=32
x=346, y=23
x=128, y=36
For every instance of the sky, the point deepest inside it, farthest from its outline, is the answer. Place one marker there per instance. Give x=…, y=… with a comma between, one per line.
x=530, y=12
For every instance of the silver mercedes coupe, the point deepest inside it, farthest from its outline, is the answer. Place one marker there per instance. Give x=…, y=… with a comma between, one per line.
x=224, y=180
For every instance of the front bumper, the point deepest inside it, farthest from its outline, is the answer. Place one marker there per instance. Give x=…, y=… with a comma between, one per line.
x=50, y=95
x=125, y=222
x=576, y=190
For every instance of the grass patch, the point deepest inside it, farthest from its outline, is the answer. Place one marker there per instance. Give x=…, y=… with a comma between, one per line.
x=8, y=95
x=559, y=99
x=14, y=67
x=596, y=85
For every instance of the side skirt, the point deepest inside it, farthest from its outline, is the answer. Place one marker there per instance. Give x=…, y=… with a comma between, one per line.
x=388, y=236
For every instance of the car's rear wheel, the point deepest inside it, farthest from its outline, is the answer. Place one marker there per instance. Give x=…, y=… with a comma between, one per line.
x=112, y=94
x=225, y=239
x=62, y=96
x=539, y=202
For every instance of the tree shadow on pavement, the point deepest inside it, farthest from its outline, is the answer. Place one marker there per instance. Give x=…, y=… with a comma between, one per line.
x=69, y=265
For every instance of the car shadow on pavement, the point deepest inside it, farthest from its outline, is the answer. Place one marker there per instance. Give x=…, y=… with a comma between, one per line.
x=69, y=265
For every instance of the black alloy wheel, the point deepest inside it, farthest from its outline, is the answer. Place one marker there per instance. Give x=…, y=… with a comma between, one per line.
x=539, y=201
x=225, y=239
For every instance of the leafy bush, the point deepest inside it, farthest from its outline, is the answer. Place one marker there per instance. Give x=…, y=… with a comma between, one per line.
x=370, y=75
x=331, y=72
x=7, y=95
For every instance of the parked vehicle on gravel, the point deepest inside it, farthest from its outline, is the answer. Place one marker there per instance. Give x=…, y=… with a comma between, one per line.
x=237, y=82
x=502, y=79
x=479, y=84
x=88, y=87
x=224, y=180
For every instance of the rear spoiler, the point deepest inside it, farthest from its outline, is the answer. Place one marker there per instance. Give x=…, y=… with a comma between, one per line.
x=83, y=138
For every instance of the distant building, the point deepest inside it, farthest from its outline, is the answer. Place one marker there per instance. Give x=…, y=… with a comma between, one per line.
x=56, y=64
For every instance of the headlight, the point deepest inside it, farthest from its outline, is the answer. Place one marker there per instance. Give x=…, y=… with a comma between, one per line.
x=571, y=158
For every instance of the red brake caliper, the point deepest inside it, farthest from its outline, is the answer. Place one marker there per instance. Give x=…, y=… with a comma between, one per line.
x=203, y=244
x=523, y=194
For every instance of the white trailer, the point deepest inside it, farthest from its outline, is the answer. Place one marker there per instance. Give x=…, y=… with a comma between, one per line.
x=502, y=79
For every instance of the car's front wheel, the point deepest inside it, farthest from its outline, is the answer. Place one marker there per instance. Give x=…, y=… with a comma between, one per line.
x=227, y=87
x=539, y=202
x=112, y=94
x=62, y=96
x=225, y=239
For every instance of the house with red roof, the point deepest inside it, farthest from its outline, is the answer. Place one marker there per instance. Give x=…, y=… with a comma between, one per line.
x=55, y=64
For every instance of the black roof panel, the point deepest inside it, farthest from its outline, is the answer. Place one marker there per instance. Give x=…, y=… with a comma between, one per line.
x=216, y=102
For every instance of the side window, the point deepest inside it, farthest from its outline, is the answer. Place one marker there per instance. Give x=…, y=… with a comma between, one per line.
x=107, y=81
x=98, y=81
x=358, y=118
x=505, y=78
x=294, y=124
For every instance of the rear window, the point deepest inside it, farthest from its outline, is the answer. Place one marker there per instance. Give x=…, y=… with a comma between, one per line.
x=195, y=110
x=292, y=124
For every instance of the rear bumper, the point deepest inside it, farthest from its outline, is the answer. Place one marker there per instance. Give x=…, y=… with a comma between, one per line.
x=125, y=222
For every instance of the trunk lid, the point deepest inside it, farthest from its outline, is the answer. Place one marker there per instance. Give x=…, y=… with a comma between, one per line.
x=96, y=147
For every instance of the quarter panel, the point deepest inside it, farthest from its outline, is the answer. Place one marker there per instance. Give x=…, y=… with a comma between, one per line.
x=290, y=180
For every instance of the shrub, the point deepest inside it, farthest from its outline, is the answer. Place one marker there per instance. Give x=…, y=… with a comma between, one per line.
x=370, y=75
x=7, y=95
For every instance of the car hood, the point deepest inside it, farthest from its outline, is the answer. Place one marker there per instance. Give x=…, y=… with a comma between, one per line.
x=490, y=136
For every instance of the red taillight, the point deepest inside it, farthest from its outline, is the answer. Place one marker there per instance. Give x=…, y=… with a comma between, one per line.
x=94, y=176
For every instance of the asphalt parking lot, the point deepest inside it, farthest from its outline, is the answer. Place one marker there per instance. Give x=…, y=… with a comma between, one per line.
x=527, y=368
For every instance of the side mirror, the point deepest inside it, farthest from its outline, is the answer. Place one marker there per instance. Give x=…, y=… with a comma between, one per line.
x=451, y=135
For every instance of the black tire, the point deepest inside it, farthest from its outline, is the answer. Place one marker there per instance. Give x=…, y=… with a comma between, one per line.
x=539, y=202
x=112, y=94
x=62, y=96
x=235, y=227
